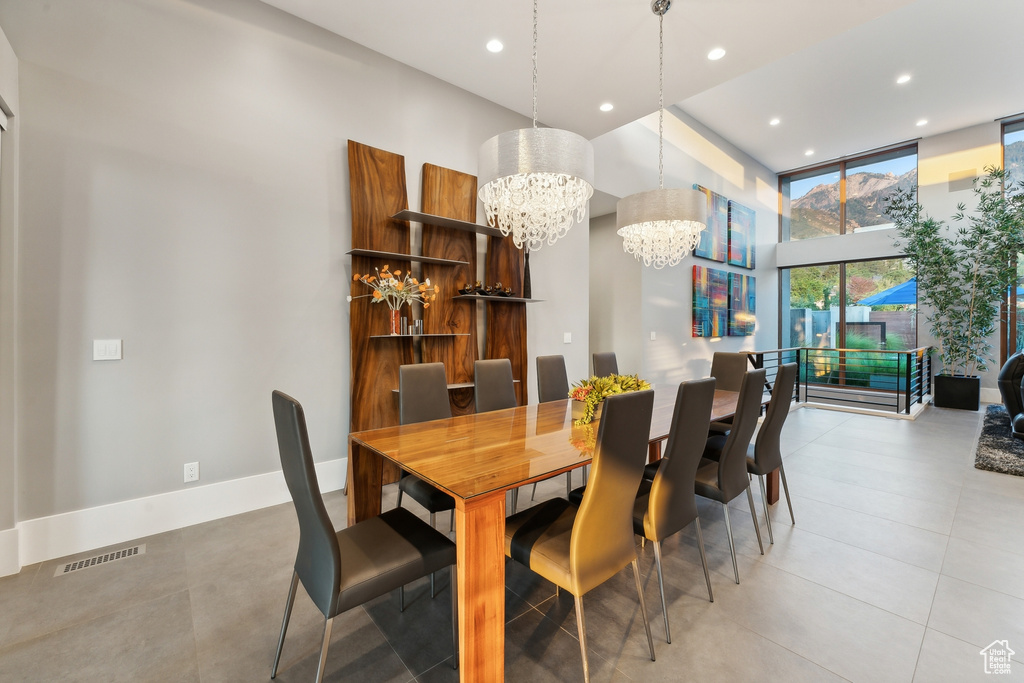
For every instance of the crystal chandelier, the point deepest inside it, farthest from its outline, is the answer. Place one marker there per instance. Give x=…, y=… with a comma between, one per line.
x=660, y=227
x=536, y=182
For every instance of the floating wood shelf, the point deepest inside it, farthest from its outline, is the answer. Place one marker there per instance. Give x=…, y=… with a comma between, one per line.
x=410, y=336
x=442, y=222
x=497, y=299
x=373, y=253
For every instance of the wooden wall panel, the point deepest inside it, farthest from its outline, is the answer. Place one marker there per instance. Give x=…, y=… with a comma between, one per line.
x=377, y=189
x=506, y=322
x=450, y=194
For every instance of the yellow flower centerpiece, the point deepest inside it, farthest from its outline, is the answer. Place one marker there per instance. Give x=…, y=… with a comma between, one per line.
x=588, y=394
x=397, y=290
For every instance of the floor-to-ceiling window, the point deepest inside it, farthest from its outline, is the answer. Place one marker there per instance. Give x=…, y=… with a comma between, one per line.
x=844, y=197
x=852, y=305
x=1013, y=162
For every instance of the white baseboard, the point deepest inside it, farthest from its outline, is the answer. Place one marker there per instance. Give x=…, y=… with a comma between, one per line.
x=9, y=552
x=991, y=396
x=46, y=538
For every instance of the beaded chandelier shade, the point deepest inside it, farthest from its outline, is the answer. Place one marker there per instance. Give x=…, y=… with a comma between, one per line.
x=535, y=183
x=660, y=227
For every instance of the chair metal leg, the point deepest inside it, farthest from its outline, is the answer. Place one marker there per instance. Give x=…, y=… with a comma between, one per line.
x=432, y=593
x=323, y=650
x=515, y=500
x=451, y=520
x=284, y=622
x=753, y=516
x=432, y=516
x=785, y=487
x=703, y=558
x=661, y=587
x=767, y=512
x=455, y=618
x=568, y=484
x=582, y=629
x=533, y=495
x=643, y=607
x=400, y=493
x=732, y=545
x=401, y=598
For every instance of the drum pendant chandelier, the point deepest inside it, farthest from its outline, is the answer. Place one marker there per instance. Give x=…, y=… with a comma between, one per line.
x=660, y=227
x=536, y=182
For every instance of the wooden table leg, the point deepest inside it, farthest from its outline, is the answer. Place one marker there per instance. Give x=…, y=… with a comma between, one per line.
x=480, y=534
x=363, y=482
x=654, y=451
x=773, y=487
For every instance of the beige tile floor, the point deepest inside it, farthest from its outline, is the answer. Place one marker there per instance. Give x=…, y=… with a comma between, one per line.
x=904, y=562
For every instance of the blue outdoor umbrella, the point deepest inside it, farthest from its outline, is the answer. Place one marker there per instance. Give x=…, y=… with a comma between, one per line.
x=904, y=293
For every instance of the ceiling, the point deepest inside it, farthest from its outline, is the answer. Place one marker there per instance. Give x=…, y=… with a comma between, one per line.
x=826, y=68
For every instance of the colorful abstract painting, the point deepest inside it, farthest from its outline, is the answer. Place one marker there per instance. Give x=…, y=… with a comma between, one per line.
x=710, y=302
x=741, y=235
x=714, y=240
x=741, y=304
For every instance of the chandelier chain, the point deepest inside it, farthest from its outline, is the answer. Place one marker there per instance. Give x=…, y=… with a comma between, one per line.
x=661, y=101
x=534, y=63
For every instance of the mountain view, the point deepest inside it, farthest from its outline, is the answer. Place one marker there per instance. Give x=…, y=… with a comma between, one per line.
x=1013, y=157
x=816, y=213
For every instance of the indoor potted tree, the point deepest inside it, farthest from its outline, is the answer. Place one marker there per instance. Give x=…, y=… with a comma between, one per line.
x=963, y=273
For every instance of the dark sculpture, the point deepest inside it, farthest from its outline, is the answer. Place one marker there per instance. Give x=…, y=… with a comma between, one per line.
x=1009, y=381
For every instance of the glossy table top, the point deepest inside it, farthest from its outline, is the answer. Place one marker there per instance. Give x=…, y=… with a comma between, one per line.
x=472, y=455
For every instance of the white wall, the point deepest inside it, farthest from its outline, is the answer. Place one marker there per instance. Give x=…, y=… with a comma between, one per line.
x=627, y=159
x=184, y=187
x=9, y=140
x=616, y=318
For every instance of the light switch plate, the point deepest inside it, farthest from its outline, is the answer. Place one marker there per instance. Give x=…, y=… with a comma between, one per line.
x=106, y=349
x=567, y=338
x=653, y=335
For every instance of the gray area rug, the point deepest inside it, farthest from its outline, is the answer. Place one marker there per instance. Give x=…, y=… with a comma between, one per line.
x=998, y=450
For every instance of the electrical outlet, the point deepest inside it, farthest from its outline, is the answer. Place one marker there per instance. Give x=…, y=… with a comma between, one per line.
x=191, y=471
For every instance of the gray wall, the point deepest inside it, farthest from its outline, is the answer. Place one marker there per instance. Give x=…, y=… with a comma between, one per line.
x=627, y=163
x=184, y=187
x=8, y=280
x=616, y=319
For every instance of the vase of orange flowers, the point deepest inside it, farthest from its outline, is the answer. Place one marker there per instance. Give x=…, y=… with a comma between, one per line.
x=396, y=290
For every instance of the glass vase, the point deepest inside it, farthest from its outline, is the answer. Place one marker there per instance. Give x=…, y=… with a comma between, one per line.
x=396, y=324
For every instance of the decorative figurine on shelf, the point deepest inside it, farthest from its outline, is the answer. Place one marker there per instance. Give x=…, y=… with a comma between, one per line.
x=396, y=290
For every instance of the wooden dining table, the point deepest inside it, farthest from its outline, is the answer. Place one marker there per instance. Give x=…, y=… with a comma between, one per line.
x=476, y=459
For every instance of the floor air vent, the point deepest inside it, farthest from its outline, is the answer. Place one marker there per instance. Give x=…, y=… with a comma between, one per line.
x=106, y=558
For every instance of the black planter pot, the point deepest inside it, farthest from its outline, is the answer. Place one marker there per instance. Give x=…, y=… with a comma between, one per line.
x=956, y=391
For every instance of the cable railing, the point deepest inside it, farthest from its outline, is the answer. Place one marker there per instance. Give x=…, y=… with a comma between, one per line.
x=864, y=378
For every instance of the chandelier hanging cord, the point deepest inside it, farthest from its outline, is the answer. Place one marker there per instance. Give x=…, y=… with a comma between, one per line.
x=534, y=63
x=660, y=7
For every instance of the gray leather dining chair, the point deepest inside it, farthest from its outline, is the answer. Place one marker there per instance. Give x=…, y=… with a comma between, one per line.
x=579, y=548
x=423, y=396
x=342, y=569
x=552, y=385
x=494, y=389
x=765, y=456
x=552, y=379
x=722, y=474
x=728, y=369
x=605, y=364
x=493, y=385
x=668, y=505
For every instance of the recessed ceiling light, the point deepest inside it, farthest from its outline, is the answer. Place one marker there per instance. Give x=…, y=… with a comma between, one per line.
x=607, y=106
x=905, y=78
x=716, y=54
x=774, y=122
x=922, y=122
x=809, y=152
x=494, y=45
